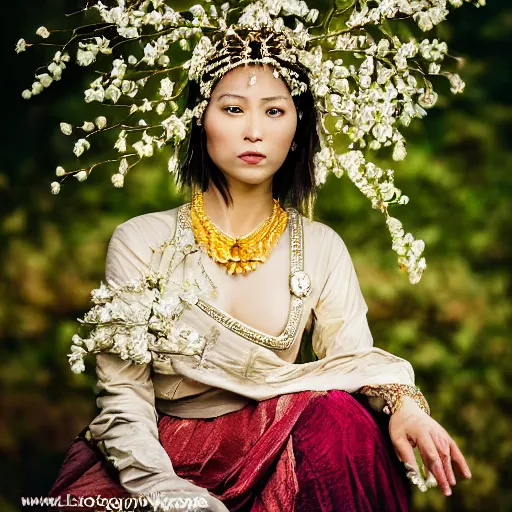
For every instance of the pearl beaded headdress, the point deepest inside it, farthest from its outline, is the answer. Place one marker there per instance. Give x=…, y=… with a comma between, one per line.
x=375, y=82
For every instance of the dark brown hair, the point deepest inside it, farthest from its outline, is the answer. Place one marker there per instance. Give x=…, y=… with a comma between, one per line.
x=293, y=183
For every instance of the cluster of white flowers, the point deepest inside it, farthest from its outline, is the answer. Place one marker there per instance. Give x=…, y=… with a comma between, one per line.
x=143, y=316
x=408, y=249
x=369, y=102
x=426, y=13
x=44, y=80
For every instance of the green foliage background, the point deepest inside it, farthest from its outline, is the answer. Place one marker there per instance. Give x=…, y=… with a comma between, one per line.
x=454, y=326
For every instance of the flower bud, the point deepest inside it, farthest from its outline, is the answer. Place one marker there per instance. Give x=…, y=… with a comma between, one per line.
x=45, y=79
x=101, y=122
x=66, y=128
x=88, y=126
x=21, y=46
x=55, y=187
x=60, y=171
x=118, y=180
x=43, y=32
x=81, y=175
x=37, y=88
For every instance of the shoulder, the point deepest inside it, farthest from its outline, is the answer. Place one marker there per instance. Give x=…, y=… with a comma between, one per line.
x=134, y=242
x=322, y=236
x=324, y=249
x=150, y=229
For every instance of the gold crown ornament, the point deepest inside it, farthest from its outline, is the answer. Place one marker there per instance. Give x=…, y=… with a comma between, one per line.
x=366, y=83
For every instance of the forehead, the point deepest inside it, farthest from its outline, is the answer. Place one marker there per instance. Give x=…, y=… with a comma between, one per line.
x=236, y=81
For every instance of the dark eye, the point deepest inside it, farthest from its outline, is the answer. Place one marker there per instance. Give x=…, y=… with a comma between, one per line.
x=275, y=110
x=226, y=109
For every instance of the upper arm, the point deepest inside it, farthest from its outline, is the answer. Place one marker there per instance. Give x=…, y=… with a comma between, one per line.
x=128, y=257
x=341, y=324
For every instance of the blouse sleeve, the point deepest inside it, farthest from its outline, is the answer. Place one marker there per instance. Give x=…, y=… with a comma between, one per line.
x=340, y=313
x=341, y=326
x=126, y=427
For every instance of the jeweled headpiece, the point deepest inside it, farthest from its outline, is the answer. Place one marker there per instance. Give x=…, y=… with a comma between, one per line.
x=373, y=83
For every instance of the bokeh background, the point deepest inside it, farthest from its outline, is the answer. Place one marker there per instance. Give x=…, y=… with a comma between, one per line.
x=454, y=326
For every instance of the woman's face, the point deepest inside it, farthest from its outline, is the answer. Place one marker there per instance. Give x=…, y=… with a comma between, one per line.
x=243, y=118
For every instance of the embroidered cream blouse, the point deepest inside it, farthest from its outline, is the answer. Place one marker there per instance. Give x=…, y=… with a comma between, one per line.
x=235, y=339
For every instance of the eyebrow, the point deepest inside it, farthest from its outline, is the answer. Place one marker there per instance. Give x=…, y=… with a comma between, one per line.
x=271, y=98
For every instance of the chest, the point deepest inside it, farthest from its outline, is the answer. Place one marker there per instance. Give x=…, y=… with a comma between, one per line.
x=260, y=298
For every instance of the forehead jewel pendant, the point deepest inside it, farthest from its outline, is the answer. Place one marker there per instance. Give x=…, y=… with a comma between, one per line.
x=252, y=79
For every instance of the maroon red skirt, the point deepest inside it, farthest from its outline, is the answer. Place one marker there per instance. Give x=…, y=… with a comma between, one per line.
x=301, y=452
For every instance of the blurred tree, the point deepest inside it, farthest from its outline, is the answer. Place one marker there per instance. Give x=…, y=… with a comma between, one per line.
x=453, y=326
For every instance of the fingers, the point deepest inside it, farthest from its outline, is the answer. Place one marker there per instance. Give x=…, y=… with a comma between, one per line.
x=459, y=459
x=405, y=453
x=444, y=451
x=432, y=460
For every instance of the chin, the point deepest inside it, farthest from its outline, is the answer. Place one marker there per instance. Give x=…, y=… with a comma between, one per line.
x=251, y=176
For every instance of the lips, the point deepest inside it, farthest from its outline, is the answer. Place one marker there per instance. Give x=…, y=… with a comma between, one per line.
x=252, y=157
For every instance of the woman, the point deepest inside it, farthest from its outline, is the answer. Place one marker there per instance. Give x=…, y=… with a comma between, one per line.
x=232, y=407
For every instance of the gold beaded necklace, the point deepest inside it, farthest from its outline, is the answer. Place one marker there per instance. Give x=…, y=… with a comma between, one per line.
x=238, y=254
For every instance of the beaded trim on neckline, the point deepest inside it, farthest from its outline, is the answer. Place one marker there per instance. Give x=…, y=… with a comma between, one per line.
x=285, y=340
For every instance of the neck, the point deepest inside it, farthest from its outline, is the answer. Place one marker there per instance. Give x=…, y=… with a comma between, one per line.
x=251, y=206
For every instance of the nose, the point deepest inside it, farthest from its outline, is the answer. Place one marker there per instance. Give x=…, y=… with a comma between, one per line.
x=253, y=130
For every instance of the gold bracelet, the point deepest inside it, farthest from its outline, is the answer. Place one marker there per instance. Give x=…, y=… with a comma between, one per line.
x=393, y=395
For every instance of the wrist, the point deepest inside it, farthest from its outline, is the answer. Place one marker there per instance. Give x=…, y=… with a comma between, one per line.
x=396, y=395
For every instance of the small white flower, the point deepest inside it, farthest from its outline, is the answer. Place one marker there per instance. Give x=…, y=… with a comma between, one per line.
x=434, y=68
x=81, y=146
x=160, y=108
x=77, y=366
x=26, y=94
x=128, y=32
x=55, y=70
x=81, y=176
x=112, y=93
x=132, y=60
x=21, y=46
x=146, y=106
x=60, y=171
x=55, y=186
x=66, y=128
x=85, y=57
x=166, y=89
x=457, y=84
x=101, y=122
x=120, y=144
x=118, y=69
x=88, y=126
x=118, y=180
x=123, y=166
x=37, y=88
x=45, y=79
x=43, y=32
x=143, y=150
x=172, y=165
x=428, y=99
x=312, y=16
x=94, y=95
x=399, y=151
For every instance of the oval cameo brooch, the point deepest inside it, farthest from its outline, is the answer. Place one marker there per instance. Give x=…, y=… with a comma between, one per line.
x=300, y=284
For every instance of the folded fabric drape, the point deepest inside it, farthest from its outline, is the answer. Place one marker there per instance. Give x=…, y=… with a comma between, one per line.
x=300, y=452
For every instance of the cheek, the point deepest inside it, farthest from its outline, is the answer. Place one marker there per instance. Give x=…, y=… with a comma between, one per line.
x=219, y=135
x=281, y=135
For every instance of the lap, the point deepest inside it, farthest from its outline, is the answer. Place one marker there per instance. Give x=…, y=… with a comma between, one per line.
x=345, y=460
x=328, y=448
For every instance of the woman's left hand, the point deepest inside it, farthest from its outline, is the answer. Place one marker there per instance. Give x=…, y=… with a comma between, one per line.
x=410, y=427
